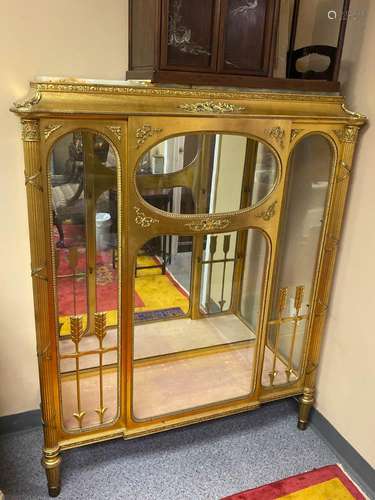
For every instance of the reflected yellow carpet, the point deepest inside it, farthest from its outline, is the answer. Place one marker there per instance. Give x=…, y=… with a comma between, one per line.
x=154, y=292
x=158, y=291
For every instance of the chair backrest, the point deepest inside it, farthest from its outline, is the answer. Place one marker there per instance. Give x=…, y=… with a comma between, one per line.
x=323, y=50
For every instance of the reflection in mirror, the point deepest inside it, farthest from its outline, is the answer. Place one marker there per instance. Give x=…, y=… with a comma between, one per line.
x=253, y=244
x=192, y=174
x=200, y=354
x=219, y=257
x=309, y=174
x=162, y=280
x=83, y=187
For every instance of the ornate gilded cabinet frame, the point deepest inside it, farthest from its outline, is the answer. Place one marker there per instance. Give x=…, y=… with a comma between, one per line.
x=126, y=122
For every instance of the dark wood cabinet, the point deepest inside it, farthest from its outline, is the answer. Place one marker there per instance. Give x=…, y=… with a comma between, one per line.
x=215, y=42
x=248, y=37
x=189, y=35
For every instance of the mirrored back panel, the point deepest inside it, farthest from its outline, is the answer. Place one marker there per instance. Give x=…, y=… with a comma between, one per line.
x=206, y=173
x=83, y=188
x=193, y=344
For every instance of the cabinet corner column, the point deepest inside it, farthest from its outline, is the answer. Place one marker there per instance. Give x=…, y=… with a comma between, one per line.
x=36, y=183
x=348, y=136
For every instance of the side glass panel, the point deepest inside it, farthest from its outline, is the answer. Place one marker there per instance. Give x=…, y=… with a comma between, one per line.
x=198, y=355
x=309, y=175
x=190, y=35
x=193, y=174
x=83, y=187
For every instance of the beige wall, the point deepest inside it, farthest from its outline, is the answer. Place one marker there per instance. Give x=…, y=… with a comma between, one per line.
x=62, y=39
x=71, y=38
x=346, y=388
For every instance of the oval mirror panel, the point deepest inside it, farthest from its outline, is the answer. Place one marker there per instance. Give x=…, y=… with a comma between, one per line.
x=206, y=173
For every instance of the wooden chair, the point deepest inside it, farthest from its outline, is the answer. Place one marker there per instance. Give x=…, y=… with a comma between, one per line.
x=331, y=73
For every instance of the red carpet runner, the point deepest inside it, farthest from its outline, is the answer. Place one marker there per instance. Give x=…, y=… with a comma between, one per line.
x=327, y=483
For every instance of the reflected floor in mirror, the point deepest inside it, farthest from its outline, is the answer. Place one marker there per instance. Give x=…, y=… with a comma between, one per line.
x=161, y=338
x=172, y=383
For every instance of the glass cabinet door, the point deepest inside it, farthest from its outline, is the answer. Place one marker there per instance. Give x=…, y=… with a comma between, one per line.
x=194, y=345
x=83, y=170
x=310, y=171
x=198, y=299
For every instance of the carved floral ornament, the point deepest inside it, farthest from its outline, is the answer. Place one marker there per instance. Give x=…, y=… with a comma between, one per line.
x=145, y=132
x=347, y=135
x=116, y=131
x=277, y=134
x=294, y=133
x=269, y=213
x=142, y=219
x=211, y=107
x=209, y=224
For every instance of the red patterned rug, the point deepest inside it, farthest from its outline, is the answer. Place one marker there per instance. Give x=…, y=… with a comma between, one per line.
x=106, y=290
x=327, y=483
x=156, y=295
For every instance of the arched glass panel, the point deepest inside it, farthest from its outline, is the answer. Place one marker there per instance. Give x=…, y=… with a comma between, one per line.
x=192, y=346
x=309, y=174
x=83, y=187
x=191, y=174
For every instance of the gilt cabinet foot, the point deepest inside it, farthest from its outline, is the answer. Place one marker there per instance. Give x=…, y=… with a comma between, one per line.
x=51, y=462
x=306, y=403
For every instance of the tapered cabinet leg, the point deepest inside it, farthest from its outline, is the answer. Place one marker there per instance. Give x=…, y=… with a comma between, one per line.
x=51, y=462
x=306, y=402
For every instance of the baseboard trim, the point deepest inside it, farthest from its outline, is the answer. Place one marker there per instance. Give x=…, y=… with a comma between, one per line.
x=356, y=465
x=20, y=421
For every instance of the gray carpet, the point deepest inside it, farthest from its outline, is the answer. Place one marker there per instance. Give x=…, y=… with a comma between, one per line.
x=205, y=461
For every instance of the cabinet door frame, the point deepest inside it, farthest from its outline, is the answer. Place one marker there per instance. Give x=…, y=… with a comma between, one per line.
x=145, y=222
x=52, y=130
x=269, y=41
x=164, y=29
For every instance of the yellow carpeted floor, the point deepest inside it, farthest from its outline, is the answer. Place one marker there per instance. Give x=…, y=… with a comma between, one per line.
x=157, y=292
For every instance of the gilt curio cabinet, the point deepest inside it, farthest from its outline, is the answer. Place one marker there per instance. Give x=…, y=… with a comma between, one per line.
x=182, y=244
